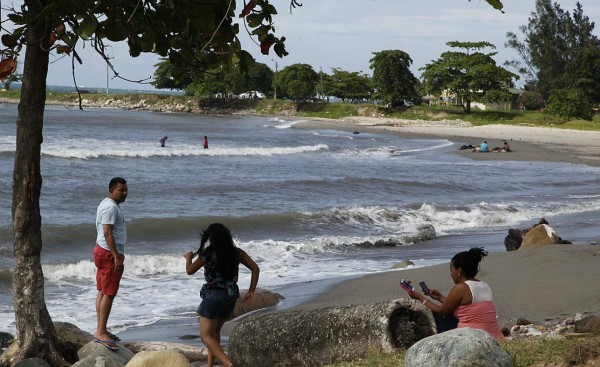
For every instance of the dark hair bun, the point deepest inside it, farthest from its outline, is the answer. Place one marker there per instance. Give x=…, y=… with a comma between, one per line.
x=477, y=253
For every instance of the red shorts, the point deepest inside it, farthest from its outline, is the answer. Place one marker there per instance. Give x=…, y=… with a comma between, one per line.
x=107, y=279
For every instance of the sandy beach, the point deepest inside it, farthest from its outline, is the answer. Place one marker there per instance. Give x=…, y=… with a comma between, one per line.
x=542, y=284
x=539, y=284
x=528, y=143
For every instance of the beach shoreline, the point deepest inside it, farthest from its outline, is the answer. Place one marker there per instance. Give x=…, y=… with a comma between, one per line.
x=528, y=143
x=522, y=285
x=515, y=297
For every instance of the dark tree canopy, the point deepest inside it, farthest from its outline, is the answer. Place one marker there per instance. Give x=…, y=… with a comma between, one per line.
x=470, y=75
x=559, y=50
x=297, y=82
x=351, y=86
x=191, y=34
x=392, y=78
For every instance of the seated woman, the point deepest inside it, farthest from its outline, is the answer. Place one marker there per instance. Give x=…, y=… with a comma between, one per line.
x=470, y=300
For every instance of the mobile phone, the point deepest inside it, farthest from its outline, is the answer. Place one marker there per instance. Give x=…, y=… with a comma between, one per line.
x=406, y=286
x=425, y=288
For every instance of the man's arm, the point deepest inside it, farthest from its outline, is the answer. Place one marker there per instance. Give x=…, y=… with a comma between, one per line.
x=110, y=241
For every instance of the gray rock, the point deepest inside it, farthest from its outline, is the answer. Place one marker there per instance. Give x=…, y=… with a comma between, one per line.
x=328, y=335
x=71, y=333
x=403, y=264
x=425, y=232
x=100, y=361
x=123, y=355
x=32, y=362
x=5, y=339
x=590, y=324
x=192, y=353
x=163, y=358
x=464, y=347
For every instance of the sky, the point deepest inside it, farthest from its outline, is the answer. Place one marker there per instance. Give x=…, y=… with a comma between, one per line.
x=342, y=34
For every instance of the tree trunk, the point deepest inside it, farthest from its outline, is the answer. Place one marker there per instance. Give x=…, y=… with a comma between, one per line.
x=35, y=332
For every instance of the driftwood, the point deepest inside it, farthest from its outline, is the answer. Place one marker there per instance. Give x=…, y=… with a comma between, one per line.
x=328, y=335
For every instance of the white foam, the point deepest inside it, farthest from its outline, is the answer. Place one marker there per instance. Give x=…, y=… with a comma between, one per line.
x=90, y=148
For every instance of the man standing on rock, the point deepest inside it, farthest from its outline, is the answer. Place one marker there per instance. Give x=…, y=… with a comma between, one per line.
x=109, y=256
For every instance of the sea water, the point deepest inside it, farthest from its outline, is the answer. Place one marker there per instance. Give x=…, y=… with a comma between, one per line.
x=306, y=204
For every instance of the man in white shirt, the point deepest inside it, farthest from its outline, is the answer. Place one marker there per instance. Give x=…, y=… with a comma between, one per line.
x=109, y=255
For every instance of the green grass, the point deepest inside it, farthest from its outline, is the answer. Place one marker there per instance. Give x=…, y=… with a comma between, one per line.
x=341, y=110
x=525, y=352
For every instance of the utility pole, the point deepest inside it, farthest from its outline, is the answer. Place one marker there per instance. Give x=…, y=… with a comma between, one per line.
x=275, y=82
x=321, y=83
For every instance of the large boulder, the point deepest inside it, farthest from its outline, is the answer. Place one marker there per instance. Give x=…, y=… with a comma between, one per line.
x=97, y=361
x=262, y=299
x=5, y=339
x=589, y=324
x=32, y=362
x=190, y=352
x=94, y=349
x=328, y=335
x=165, y=358
x=540, y=235
x=464, y=347
x=71, y=333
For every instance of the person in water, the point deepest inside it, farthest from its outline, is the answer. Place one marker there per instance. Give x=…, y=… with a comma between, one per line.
x=162, y=141
x=221, y=260
x=470, y=300
x=205, y=143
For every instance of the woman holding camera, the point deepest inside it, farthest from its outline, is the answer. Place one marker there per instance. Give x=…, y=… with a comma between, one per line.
x=470, y=300
x=220, y=259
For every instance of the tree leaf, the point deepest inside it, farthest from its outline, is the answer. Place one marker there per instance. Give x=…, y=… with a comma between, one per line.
x=497, y=4
x=115, y=32
x=9, y=41
x=87, y=27
x=7, y=67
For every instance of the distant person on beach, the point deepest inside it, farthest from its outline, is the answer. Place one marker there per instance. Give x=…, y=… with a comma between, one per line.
x=162, y=141
x=482, y=148
x=505, y=148
x=205, y=143
x=109, y=257
x=469, y=303
x=221, y=260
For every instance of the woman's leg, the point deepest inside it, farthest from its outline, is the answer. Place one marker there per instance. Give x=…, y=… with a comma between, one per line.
x=210, y=333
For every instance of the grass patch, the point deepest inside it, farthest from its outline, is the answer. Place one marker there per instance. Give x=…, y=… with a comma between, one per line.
x=377, y=360
x=527, y=352
x=524, y=352
x=339, y=110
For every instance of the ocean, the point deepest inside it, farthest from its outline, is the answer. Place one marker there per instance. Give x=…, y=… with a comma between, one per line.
x=308, y=205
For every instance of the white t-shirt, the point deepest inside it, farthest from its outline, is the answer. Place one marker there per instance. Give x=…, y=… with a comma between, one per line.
x=109, y=212
x=480, y=291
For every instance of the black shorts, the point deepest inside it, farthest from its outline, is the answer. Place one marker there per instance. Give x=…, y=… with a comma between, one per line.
x=216, y=304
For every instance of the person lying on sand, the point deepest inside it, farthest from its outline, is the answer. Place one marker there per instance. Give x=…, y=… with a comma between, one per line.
x=505, y=148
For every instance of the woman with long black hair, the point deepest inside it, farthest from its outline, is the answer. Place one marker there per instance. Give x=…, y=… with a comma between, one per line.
x=470, y=302
x=220, y=259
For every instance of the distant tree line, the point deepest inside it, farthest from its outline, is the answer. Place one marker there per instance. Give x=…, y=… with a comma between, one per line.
x=559, y=60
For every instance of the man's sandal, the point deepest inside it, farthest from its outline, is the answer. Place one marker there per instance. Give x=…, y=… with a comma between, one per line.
x=109, y=344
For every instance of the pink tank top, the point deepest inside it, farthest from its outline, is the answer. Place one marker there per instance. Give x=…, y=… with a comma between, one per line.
x=481, y=313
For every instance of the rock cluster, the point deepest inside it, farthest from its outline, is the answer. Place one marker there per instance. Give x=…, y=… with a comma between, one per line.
x=91, y=354
x=540, y=234
x=573, y=325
